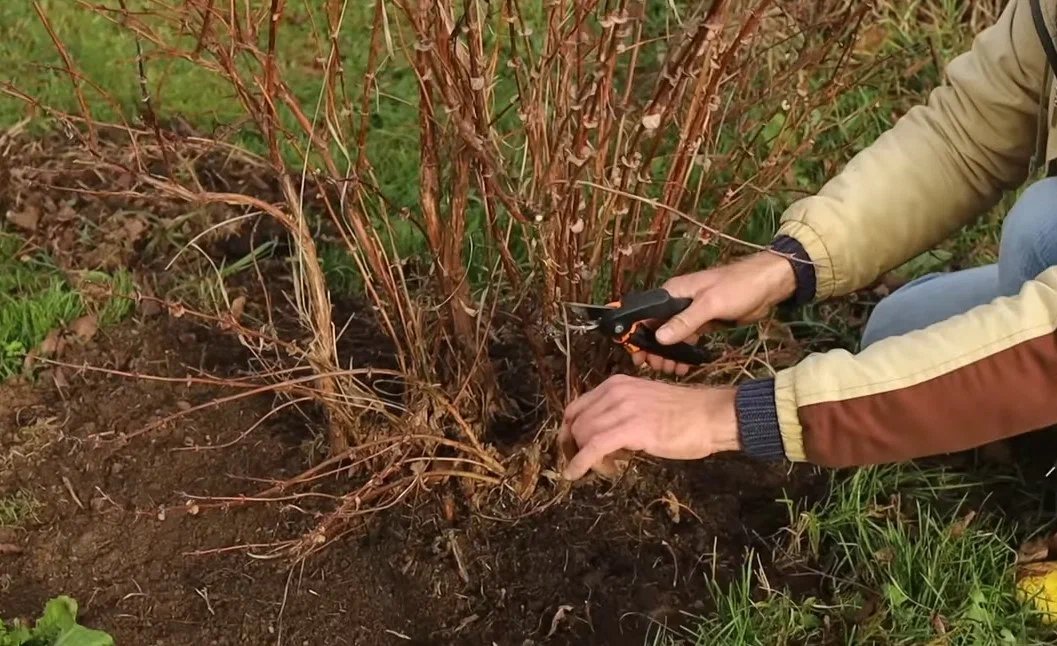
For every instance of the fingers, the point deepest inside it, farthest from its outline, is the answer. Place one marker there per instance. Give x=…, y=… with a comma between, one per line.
x=584, y=402
x=589, y=419
x=667, y=366
x=593, y=452
x=597, y=406
x=685, y=323
x=566, y=442
x=638, y=358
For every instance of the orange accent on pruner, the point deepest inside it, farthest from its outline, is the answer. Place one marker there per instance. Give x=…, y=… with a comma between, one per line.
x=627, y=334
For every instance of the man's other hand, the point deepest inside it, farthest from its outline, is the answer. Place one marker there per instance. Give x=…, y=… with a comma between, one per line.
x=661, y=419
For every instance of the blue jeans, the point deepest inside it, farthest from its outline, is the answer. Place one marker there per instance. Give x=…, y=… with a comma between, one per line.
x=1028, y=247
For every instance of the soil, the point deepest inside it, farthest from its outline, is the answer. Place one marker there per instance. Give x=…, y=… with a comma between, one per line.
x=123, y=527
x=597, y=568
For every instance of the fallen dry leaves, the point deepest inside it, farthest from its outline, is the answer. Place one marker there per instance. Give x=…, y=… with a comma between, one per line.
x=85, y=327
x=1036, y=575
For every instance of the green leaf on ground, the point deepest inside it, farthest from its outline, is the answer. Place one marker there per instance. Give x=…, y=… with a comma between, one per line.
x=57, y=626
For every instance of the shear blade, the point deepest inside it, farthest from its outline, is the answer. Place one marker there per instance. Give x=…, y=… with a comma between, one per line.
x=588, y=311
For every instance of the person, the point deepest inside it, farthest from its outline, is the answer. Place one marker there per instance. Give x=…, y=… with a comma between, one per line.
x=948, y=362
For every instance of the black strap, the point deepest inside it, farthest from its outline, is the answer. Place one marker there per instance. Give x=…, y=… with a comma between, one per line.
x=1044, y=34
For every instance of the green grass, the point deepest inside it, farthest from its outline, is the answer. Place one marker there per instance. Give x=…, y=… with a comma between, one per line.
x=106, y=55
x=35, y=298
x=900, y=561
x=18, y=508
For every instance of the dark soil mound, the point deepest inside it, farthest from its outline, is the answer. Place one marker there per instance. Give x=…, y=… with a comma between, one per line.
x=600, y=567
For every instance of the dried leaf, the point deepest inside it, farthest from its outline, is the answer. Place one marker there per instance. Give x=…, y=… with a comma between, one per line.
x=85, y=327
x=238, y=306
x=671, y=503
x=58, y=375
x=149, y=308
x=557, y=619
x=9, y=549
x=134, y=229
x=66, y=213
x=530, y=473
x=939, y=624
x=960, y=525
x=613, y=464
x=651, y=121
x=447, y=505
x=26, y=219
x=1037, y=549
x=1037, y=583
x=51, y=344
x=872, y=39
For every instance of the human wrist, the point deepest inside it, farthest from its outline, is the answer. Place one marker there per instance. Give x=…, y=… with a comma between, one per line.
x=723, y=421
x=799, y=286
x=778, y=276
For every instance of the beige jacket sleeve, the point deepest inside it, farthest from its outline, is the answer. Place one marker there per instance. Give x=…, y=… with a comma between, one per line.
x=958, y=384
x=940, y=166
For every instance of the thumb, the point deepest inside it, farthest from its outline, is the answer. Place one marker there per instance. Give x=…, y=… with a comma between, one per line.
x=685, y=323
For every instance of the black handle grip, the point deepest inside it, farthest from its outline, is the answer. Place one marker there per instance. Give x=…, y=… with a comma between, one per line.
x=644, y=339
x=652, y=304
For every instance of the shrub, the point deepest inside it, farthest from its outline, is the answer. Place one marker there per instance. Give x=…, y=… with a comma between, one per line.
x=563, y=151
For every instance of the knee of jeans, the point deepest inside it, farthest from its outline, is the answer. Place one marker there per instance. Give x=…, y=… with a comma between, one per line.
x=883, y=321
x=1029, y=233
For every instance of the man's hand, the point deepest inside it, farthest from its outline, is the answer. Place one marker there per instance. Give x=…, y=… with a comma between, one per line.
x=743, y=292
x=661, y=419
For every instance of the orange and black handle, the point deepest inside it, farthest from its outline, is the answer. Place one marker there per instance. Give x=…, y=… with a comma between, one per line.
x=626, y=324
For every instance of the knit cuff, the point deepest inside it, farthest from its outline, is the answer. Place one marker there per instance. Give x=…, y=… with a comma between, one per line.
x=802, y=268
x=757, y=417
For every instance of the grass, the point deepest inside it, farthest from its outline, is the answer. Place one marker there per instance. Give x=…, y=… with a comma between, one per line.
x=35, y=298
x=18, y=508
x=910, y=555
x=105, y=54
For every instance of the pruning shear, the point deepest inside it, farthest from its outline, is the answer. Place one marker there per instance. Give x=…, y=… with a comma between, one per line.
x=623, y=321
